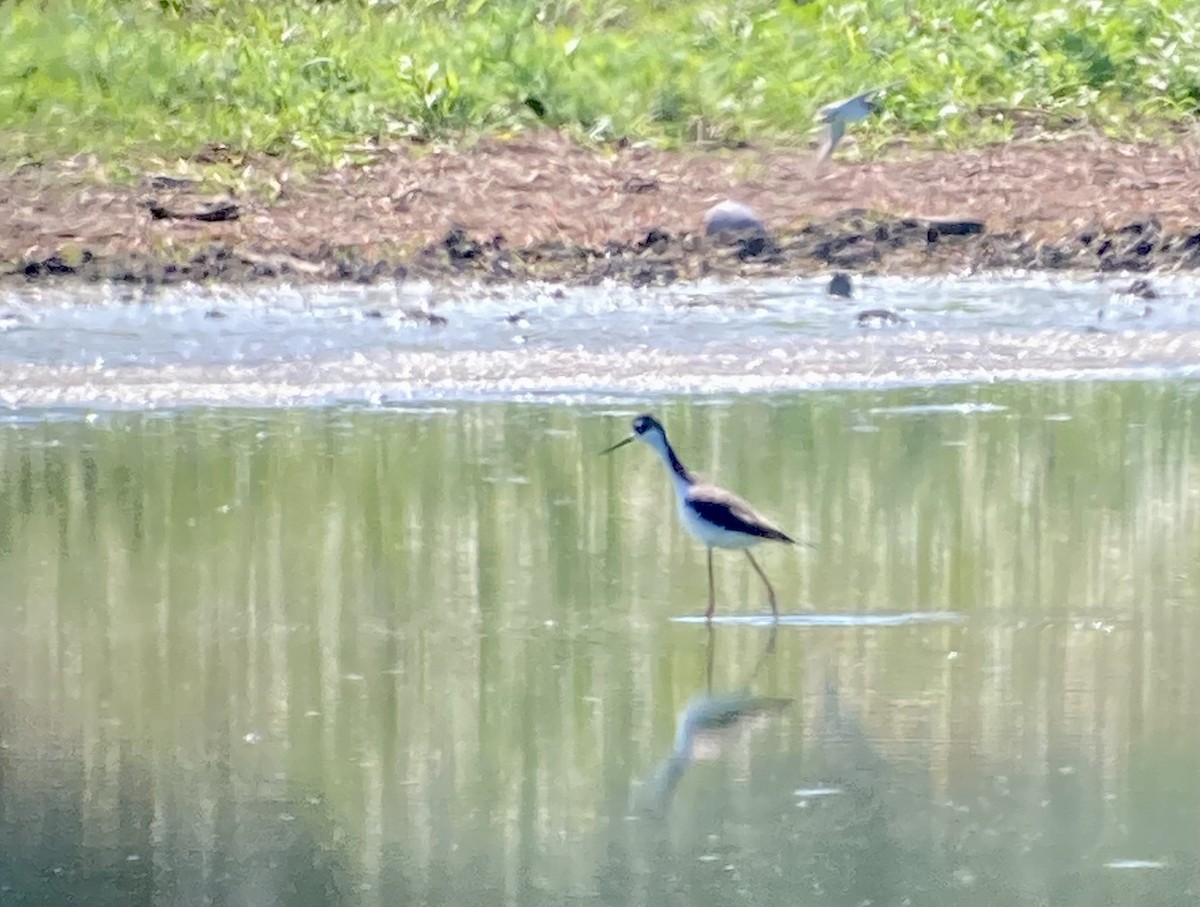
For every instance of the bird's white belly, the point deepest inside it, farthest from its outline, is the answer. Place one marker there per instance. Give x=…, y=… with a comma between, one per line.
x=713, y=536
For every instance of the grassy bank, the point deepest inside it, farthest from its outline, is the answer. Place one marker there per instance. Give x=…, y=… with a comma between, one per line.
x=327, y=81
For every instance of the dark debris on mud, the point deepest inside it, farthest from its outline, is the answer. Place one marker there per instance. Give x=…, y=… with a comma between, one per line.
x=854, y=243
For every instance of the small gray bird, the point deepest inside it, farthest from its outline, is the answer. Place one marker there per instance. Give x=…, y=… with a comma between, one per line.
x=839, y=113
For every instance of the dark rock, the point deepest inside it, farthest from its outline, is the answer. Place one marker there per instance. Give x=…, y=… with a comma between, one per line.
x=218, y=212
x=171, y=182
x=1148, y=227
x=1125, y=263
x=212, y=213
x=461, y=247
x=882, y=316
x=656, y=240
x=636, y=185
x=839, y=285
x=656, y=274
x=1142, y=289
x=829, y=248
x=1054, y=255
x=755, y=246
x=955, y=226
x=851, y=252
x=430, y=318
x=47, y=267
x=358, y=270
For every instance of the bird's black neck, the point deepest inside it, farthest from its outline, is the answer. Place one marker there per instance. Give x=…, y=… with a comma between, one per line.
x=676, y=464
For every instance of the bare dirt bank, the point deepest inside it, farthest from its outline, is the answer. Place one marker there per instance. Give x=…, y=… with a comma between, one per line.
x=543, y=207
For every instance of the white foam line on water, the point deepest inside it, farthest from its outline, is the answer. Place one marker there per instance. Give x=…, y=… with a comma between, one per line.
x=961, y=409
x=580, y=374
x=810, y=792
x=826, y=620
x=1135, y=864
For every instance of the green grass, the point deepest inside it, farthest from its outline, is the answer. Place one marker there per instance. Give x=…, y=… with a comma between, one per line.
x=324, y=82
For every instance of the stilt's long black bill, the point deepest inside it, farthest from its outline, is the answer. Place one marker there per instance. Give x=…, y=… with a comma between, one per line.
x=620, y=443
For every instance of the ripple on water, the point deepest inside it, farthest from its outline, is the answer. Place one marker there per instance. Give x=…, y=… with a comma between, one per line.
x=827, y=620
x=312, y=345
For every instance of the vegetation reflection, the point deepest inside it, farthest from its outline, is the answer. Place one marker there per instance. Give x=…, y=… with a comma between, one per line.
x=393, y=656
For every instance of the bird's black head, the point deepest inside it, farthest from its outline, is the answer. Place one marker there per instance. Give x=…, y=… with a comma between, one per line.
x=646, y=423
x=645, y=427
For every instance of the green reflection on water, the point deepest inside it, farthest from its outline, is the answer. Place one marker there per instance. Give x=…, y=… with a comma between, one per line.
x=427, y=657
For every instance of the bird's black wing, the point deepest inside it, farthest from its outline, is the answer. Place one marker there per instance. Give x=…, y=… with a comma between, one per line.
x=725, y=509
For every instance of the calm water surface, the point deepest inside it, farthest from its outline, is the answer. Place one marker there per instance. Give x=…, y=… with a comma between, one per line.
x=442, y=655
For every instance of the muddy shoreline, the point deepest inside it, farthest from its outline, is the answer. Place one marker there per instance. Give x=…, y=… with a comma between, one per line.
x=855, y=244
x=545, y=209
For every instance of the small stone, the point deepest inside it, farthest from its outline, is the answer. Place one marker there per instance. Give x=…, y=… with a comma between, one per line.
x=461, y=247
x=1142, y=289
x=753, y=247
x=879, y=316
x=656, y=240
x=955, y=226
x=731, y=217
x=839, y=285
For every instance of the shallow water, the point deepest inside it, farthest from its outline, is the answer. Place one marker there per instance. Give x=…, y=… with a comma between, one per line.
x=436, y=654
x=314, y=345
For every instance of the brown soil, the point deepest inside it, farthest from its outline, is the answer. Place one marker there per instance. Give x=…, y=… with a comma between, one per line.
x=541, y=206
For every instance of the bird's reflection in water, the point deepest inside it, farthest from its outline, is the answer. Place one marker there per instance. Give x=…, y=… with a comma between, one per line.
x=708, y=726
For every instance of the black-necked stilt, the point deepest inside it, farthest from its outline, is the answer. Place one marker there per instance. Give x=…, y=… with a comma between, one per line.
x=839, y=113
x=715, y=516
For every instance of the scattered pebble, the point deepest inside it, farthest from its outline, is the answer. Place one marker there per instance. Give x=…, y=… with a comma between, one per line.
x=1142, y=289
x=879, y=316
x=431, y=318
